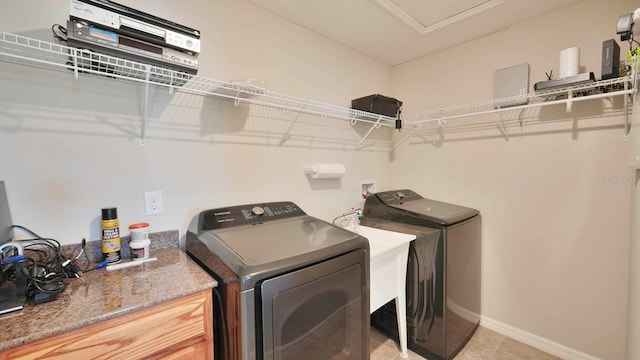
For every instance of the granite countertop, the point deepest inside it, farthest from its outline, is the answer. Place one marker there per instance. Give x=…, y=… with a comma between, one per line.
x=102, y=295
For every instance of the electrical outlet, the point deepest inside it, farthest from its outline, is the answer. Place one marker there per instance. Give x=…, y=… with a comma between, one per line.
x=153, y=203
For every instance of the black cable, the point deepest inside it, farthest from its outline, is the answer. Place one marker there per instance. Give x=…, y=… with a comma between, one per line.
x=36, y=236
x=42, y=254
x=61, y=29
x=37, y=247
x=631, y=49
x=51, y=283
x=83, y=251
x=59, y=282
x=520, y=118
x=49, y=273
x=52, y=244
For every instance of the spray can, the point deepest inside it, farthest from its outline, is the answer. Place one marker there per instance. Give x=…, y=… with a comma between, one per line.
x=110, y=235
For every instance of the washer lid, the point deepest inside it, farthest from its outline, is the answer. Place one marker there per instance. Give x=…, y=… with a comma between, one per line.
x=407, y=203
x=438, y=212
x=259, y=251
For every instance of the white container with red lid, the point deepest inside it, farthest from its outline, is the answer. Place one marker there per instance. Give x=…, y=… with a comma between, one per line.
x=139, y=241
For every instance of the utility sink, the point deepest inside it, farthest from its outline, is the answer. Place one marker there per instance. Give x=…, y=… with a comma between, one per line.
x=388, y=273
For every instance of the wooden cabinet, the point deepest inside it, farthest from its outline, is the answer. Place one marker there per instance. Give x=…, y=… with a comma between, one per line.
x=178, y=329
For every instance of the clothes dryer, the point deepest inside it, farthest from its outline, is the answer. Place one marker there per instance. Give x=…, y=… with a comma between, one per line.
x=290, y=286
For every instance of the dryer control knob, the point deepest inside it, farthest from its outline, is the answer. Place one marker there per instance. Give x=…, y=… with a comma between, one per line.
x=257, y=211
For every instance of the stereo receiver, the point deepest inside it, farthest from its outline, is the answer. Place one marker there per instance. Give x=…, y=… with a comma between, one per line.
x=88, y=36
x=136, y=24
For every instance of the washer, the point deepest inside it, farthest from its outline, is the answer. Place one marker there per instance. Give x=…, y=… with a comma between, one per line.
x=291, y=286
x=443, y=270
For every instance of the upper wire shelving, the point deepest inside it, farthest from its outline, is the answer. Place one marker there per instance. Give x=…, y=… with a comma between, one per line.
x=491, y=112
x=37, y=53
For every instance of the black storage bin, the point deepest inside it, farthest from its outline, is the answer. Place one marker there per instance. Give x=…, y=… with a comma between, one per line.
x=378, y=104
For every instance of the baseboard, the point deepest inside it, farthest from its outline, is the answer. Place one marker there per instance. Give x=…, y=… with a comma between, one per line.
x=536, y=341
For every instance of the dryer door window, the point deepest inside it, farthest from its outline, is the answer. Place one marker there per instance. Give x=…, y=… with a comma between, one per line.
x=318, y=312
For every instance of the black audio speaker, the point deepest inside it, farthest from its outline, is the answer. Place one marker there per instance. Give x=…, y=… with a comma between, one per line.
x=610, y=59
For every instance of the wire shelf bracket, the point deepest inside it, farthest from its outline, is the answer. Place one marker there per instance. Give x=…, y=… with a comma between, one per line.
x=503, y=129
x=285, y=137
x=376, y=125
x=145, y=112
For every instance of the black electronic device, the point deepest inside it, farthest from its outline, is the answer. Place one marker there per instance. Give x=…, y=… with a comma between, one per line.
x=14, y=277
x=12, y=298
x=92, y=37
x=136, y=24
x=378, y=104
x=567, y=82
x=610, y=59
x=624, y=27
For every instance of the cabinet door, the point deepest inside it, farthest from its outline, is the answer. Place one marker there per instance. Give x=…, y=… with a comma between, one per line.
x=153, y=332
x=195, y=351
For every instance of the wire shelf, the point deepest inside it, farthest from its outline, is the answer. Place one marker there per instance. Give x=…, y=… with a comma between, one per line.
x=37, y=53
x=456, y=115
x=506, y=111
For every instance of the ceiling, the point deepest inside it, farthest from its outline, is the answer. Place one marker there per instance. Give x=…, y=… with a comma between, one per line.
x=396, y=31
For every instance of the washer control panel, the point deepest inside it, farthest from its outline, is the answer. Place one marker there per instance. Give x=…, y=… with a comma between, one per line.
x=251, y=214
x=398, y=196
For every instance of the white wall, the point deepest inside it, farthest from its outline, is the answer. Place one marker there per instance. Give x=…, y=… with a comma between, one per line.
x=633, y=316
x=555, y=203
x=70, y=147
x=555, y=231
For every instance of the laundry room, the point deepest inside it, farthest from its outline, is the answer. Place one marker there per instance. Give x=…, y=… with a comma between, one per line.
x=261, y=114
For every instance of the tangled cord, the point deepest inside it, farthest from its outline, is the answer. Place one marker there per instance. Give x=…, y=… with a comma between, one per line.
x=43, y=266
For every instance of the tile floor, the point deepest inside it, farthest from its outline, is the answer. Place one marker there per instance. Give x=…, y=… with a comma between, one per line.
x=484, y=345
